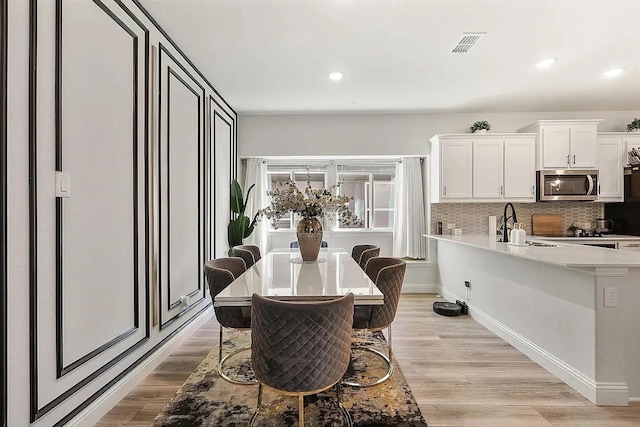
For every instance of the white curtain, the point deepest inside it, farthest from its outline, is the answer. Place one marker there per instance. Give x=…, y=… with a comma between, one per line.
x=256, y=174
x=410, y=221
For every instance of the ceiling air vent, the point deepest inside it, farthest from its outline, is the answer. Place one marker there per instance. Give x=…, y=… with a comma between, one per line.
x=467, y=41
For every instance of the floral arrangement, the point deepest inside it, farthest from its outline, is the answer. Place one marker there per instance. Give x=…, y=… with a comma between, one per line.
x=479, y=125
x=309, y=203
x=635, y=124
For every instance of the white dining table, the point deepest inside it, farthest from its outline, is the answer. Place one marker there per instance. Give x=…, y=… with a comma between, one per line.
x=281, y=274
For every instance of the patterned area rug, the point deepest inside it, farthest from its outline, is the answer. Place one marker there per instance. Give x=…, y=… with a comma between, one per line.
x=205, y=399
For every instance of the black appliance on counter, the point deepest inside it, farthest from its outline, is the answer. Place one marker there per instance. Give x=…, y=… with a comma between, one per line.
x=627, y=215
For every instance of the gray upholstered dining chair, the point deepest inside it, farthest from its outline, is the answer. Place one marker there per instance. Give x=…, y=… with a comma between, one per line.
x=249, y=253
x=220, y=273
x=388, y=274
x=294, y=244
x=300, y=348
x=362, y=253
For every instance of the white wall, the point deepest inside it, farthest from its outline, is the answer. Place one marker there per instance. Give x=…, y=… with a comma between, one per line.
x=376, y=134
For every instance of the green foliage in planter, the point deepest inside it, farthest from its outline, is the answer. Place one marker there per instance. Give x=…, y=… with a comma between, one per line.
x=635, y=124
x=240, y=226
x=479, y=125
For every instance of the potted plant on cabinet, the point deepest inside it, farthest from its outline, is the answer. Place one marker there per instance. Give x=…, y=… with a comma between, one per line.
x=240, y=226
x=481, y=126
x=634, y=126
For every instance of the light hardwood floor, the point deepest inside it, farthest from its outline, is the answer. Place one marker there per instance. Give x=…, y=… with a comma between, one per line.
x=460, y=373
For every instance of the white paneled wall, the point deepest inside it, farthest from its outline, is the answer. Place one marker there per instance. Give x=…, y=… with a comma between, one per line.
x=95, y=279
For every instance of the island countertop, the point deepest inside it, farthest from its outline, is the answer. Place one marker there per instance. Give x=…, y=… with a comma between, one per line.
x=564, y=254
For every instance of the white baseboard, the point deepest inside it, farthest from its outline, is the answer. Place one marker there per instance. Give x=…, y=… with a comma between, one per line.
x=94, y=412
x=419, y=288
x=615, y=394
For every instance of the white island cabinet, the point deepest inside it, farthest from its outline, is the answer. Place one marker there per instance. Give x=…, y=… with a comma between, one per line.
x=570, y=308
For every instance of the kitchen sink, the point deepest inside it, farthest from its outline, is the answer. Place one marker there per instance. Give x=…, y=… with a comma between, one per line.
x=541, y=244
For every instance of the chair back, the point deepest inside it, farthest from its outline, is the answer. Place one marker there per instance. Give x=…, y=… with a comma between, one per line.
x=294, y=244
x=249, y=253
x=388, y=274
x=362, y=253
x=220, y=273
x=300, y=347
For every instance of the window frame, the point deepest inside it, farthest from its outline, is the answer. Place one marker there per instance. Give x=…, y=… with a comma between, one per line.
x=369, y=201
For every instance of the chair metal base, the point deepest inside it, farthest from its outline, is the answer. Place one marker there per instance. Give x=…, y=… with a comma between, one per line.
x=300, y=396
x=379, y=380
x=228, y=378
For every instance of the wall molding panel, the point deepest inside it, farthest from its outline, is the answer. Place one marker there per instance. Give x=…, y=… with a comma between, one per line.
x=222, y=128
x=111, y=281
x=3, y=212
x=181, y=187
x=117, y=188
x=139, y=53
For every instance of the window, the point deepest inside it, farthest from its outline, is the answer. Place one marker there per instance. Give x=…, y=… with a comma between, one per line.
x=372, y=196
x=370, y=184
x=277, y=175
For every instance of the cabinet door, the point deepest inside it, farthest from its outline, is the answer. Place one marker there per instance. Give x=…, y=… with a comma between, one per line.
x=610, y=164
x=455, y=168
x=555, y=147
x=629, y=245
x=583, y=146
x=519, y=169
x=487, y=168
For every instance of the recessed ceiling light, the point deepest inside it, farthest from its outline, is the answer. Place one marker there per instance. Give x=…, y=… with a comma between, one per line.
x=336, y=76
x=614, y=72
x=546, y=63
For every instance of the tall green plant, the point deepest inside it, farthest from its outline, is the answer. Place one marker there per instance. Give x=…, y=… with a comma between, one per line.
x=240, y=226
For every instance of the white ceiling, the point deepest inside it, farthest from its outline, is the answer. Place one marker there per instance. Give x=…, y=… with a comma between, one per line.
x=275, y=55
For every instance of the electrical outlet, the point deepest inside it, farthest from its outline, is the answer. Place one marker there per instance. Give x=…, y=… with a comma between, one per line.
x=610, y=297
x=467, y=284
x=451, y=225
x=184, y=301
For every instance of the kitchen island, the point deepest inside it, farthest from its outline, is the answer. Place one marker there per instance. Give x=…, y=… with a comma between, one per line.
x=571, y=308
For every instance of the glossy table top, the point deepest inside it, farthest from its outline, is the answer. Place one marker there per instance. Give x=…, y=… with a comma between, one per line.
x=281, y=274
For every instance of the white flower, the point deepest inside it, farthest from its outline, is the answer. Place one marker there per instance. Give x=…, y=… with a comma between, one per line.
x=309, y=203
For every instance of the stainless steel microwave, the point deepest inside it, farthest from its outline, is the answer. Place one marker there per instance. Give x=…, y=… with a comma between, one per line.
x=567, y=184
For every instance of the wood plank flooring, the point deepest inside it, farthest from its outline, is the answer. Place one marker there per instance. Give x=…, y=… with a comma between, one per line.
x=460, y=373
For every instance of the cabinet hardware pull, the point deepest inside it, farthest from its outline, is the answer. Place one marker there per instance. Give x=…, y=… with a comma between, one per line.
x=598, y=189
x=574, y=159
x=568, y=159
x=633, y=245
x=501, y=190
x=444, y=190
x=533, y=190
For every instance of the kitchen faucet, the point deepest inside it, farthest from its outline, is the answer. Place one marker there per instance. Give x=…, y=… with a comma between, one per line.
x=505, y=229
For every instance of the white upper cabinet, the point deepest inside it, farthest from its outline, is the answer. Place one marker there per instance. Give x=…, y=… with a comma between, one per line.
x=488, y=173
x=611, y=159
x=519, y=169
x=564, y=144
x=483, y=168
x=555, y=151
x=456, y=166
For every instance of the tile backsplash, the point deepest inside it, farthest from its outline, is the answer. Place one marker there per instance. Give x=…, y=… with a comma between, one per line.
x=473, y=218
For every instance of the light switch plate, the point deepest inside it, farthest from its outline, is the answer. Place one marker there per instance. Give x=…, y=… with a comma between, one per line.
x=63, y=185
